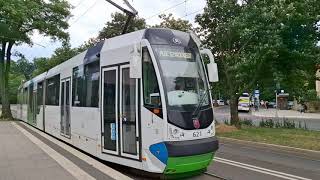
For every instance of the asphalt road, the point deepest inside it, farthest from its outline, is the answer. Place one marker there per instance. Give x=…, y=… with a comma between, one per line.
x=236, y=160
x=245, y=161
x=222, y=114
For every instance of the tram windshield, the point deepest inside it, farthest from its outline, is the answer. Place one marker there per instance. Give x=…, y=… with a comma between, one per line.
x=183, y=76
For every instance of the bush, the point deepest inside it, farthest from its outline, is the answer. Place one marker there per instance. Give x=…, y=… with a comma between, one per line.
x=262, y=123
x=246, y=122
x=311, y=95
x=268, y=123
x=288, y=124
x=278, y=124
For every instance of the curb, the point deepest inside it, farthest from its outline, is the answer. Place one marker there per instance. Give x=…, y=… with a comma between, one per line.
x=273, y=145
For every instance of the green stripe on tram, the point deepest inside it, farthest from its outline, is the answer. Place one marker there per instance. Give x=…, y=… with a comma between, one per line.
x=177, y=165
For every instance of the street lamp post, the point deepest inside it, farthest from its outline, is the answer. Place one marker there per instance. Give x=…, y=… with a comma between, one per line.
x=276, y=104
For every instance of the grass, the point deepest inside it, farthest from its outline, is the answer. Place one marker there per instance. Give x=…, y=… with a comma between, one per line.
x=298, y=138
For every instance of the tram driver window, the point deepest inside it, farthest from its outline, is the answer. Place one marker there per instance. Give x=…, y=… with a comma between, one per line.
x=152, y=99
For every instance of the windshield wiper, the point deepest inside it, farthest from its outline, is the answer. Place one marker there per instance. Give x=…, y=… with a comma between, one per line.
x=196, y=113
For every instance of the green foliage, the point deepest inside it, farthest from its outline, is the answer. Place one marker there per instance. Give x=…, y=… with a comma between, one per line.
x=16, y=77
x=41, y=65
x=24, y=67
x=14, y=83
x=168, y=21
x=246, y=122
x=62, y=54
x=284, y=124
x=115, y=26
x=262, y=42
x=268, y=123
x=19, y=20
x=288, y=124
x=310, y=95
x=59, y=56
x=24, y=17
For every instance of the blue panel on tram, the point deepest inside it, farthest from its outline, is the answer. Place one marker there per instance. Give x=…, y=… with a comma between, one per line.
x=159, y=150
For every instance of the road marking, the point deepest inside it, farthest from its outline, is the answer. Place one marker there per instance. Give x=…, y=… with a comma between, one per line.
x=260, y=169
x=96, y=164
x=73, y=169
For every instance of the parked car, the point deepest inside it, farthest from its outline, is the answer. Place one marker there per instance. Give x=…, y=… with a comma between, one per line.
x=220, y=102
x=272, y=104
x=290, y=104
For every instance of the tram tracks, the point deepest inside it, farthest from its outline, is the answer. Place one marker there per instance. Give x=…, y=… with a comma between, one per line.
x=215, y=176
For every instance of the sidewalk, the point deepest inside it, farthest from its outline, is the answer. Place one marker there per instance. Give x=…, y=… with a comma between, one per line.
x=271, y=113
x=22, y=159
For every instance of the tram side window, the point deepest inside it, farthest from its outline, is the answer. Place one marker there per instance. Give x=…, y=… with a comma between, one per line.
x=53, y=90
x=151, y=91
x=85, y=85
x=39, y=96
x=25, y=96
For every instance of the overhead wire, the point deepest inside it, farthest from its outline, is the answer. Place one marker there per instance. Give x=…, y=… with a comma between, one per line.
x=24, y=54
x=171, y=7
x=15, y=39
x=192, y=13
x=79, y=3
x=84, y=13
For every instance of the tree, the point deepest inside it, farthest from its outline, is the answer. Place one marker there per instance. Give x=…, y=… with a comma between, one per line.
x=16, y=78
x=60, y=55
x=114, y=27
x=23, y=66
x=168, y=21
x=255, y=41
x=22, y=19
x=41, y=65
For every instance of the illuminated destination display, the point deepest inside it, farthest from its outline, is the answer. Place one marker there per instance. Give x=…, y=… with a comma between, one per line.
x=175, y=54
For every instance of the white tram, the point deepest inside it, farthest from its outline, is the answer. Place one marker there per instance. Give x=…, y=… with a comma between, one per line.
x=141, y=100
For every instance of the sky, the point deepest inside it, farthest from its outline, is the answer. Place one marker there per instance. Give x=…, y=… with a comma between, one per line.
x=90, y=16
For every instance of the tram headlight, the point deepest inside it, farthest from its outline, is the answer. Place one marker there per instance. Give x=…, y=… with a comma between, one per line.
x=175, y=133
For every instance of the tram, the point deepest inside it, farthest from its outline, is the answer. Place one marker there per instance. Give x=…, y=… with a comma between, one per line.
x=140, y=100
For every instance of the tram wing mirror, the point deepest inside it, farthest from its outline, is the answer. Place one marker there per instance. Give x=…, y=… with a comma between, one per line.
x=212, y=66
x=136, y=62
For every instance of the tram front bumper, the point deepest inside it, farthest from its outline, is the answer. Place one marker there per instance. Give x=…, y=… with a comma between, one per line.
x=189, y=156
x=185, y=164
x=185, y=156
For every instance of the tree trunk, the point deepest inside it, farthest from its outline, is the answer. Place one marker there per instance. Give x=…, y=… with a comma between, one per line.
x=4, y=81
x=2, y=56
x=234, y=112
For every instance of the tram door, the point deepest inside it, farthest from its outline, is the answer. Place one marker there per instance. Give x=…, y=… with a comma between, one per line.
x=34, y=108
x=65, y=108
x=109, y=111
x=120, y=112
x=31, y=105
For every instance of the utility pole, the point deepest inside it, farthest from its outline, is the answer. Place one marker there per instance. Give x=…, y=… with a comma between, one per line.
x=131, y=14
